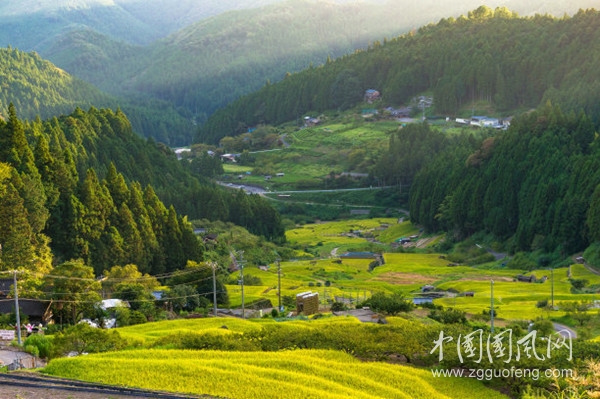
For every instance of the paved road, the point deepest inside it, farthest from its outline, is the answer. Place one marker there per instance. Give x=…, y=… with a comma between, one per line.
x=565, y=331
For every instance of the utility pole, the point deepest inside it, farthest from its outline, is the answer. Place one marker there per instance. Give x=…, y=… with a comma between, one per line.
x=552, y=286
x=492, y=305
x=279, y=282
x=241, y=263
x=213, y=266
x=17, y=307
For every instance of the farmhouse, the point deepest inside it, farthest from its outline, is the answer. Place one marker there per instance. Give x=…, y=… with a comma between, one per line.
x=309, y=122
x=427, y=288
x=230, y=157
x=422, y=300
x=484, y=121
x=37, y=311
x=372, y=95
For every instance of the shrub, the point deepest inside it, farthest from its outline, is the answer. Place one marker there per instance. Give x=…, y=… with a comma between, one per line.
x=521, y=261
x=32, y=350
x=449, y=316
x=82, y=338
x=338, y=307
x=123, y=316
x=392, y=304
x=542, y=304
x=544, y=327
x=137, y=317
x=40, y=345
x=578, y=283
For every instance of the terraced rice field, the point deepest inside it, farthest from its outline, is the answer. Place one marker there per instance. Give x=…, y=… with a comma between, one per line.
x=298, y=374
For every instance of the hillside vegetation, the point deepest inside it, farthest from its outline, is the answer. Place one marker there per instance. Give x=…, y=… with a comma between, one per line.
x=132, y=21
x=215, y=52
x=40, y=89
x=87, y=187
x=491, y=55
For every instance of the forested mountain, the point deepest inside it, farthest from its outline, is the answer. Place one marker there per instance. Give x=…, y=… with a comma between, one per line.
x=536, y=185
x=85, y=186
x=38, y=88
x=508, y=61
x=213, y=60
x=131, y=21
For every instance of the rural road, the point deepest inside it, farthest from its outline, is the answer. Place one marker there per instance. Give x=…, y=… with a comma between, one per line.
x=565, y=331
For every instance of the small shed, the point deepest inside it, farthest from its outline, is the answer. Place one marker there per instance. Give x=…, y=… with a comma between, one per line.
x=526, y=279
x=427, y=288
x=307, y=303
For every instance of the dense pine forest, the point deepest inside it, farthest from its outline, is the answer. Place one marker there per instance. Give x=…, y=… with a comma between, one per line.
x=513, y=63
x=534, y=186
x=85, y=186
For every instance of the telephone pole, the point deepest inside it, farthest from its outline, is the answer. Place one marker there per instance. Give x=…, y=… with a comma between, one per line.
x=17, y=307
x=241, y=266
x=213, y=266
x=279, y=282
x=552, y=286
x=492, y=305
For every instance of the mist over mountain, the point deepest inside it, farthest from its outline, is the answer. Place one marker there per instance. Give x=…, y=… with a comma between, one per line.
x=133, y=21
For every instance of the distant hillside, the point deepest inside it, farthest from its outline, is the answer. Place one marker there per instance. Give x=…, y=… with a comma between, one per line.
x=497, y=57
x=132, y=21
x=38, y=88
